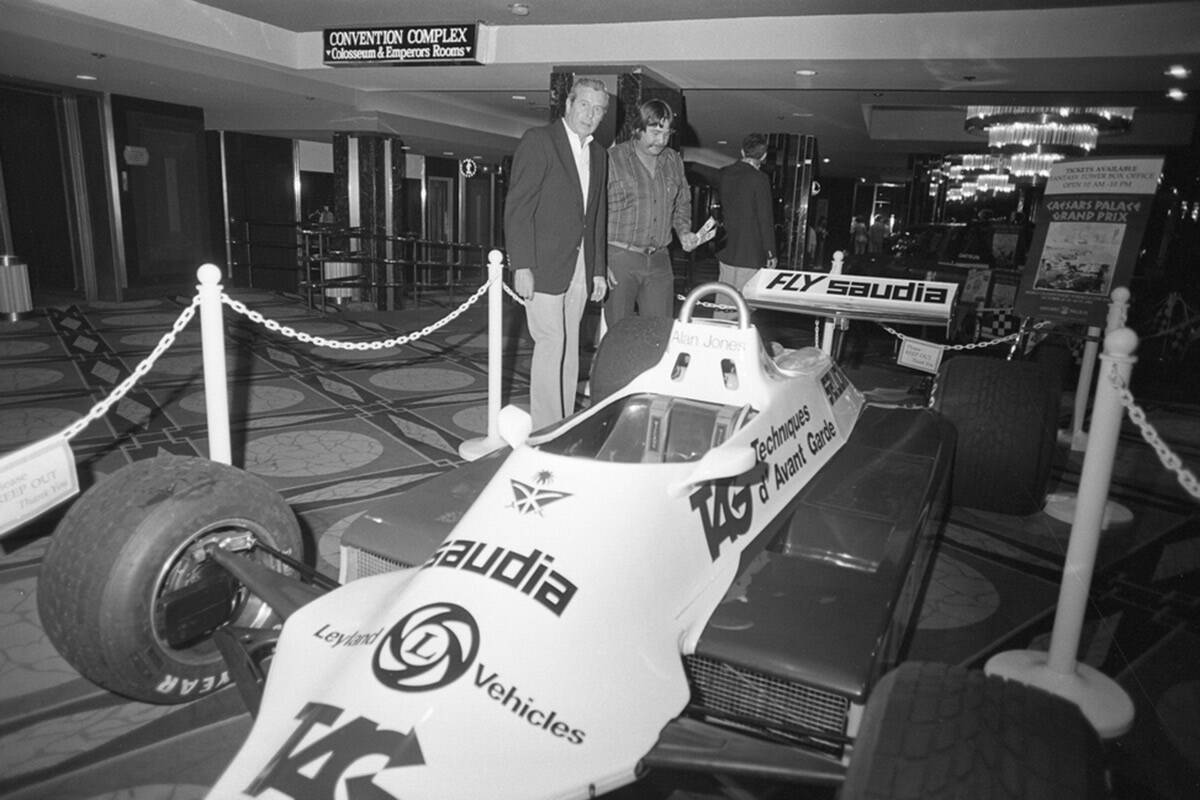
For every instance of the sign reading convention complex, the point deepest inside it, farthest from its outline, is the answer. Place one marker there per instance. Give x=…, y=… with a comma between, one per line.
x=1086, y=240
x=401, y=45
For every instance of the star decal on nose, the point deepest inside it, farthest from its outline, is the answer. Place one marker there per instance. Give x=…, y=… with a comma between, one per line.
x=529, y=499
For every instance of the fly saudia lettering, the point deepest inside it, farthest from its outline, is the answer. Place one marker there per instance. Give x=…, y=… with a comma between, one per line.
x=909, y=291
x=509, y=696
x=530, y=573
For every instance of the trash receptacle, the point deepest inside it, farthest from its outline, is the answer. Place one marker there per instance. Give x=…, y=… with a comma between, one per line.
x=15, y=298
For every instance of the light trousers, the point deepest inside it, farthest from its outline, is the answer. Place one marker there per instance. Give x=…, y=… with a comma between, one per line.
x=553, y=321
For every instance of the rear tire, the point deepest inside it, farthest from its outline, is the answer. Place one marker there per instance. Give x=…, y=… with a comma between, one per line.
x=935, y=732
x=134, y=538
x=627, y=350
x=1006, y=413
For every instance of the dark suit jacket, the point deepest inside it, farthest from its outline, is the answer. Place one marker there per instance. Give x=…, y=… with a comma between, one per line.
x=747, y=215
x=544, y=217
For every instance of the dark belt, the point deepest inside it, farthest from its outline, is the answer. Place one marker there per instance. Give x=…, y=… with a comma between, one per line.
x=646, y=251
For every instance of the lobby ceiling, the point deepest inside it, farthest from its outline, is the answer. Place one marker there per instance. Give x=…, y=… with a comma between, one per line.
x=891, y=78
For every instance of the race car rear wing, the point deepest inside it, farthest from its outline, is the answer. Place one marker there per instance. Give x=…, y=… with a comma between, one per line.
x=838, y=296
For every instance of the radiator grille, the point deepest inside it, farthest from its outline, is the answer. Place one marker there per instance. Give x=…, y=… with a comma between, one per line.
x=722, y=687
x=361, y=564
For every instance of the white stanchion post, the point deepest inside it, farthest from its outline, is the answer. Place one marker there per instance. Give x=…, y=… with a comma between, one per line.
x=472, y=449
x=1118, y=310
x=212, y=339
x=1106, y=705
x=1061, y=506
x=828, y=328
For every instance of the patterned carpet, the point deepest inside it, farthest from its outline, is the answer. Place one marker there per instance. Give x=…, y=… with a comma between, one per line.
x=334, y=430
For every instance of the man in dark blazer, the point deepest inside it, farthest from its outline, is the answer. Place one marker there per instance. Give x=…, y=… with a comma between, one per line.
x=554, y=227
x=747, y=214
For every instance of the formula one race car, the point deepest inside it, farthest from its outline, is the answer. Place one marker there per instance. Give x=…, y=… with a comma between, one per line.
x=715, y=567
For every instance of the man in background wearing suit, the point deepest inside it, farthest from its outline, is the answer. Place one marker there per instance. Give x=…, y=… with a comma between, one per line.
x=748, y=217
x=554, y=226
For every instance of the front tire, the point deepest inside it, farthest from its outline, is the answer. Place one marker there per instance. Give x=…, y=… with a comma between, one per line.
x=1006, y=414
x=936, y=732
x=135, y=542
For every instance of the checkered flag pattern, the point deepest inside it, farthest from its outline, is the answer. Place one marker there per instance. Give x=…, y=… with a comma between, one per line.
x=996, y=323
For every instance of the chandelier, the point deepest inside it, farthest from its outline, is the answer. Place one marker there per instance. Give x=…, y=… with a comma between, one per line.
x=1047, y=130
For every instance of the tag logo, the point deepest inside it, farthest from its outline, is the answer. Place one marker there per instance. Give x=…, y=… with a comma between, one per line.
x=724, y=513
x=428, y=649
x=316, y=769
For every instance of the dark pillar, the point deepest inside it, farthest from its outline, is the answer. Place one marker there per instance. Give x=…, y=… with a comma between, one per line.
x=368, y=180
x=791, y=163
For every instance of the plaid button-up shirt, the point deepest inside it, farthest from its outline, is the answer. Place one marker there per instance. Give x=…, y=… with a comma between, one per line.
x=644, y=208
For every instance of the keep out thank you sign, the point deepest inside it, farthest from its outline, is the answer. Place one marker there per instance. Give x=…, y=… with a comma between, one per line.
x=1087, y=235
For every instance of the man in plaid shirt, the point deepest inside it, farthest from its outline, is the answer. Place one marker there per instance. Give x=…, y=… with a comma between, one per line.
x=648, y=197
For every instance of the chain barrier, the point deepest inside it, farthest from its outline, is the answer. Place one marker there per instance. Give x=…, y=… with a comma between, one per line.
x=1012, y=337
x=168, y=339
x=320, y=341
x=706, y=304
x=100, y=409
x=1187, y=478
x=508, y=290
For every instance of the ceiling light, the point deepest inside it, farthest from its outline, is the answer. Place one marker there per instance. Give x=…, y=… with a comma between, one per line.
x=86, y=77
x=801, y=113
x=807, y=73
x=1177, y=71
x=1177, y=94
x=447, y=152
x=722, y=141
x=518, y=97
x=519, y=9
x=1042, y=129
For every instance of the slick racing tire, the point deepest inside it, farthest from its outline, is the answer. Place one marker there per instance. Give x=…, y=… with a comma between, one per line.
x=1006, y=415
x=627, y=350
x=935, y=732
x=133, y=543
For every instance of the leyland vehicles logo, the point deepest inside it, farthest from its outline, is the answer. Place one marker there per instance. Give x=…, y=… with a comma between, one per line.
x=427, y=649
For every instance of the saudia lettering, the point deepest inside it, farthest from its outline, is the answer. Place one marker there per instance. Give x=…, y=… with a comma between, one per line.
x=523, y=707
x=910, y=291
x=530, y=573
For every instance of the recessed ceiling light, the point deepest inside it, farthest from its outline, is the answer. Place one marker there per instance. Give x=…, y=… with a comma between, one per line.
x=722, y=141
x=825, y=160
x=518, y=97
x=519, y=9
x=807, y=73
x=447, y=153
x=1177, y=71
x=801, y=113
x=86, y=77
x=1177, y=94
